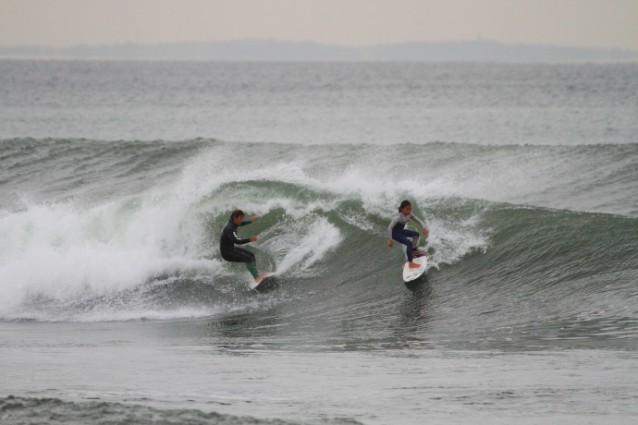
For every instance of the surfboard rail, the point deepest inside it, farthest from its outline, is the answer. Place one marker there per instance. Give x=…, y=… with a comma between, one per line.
x=410, y=274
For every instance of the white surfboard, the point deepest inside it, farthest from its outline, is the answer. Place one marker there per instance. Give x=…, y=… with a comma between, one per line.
x=410, y=274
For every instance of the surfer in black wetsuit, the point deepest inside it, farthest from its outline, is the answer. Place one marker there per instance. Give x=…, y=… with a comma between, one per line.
x=229, y=238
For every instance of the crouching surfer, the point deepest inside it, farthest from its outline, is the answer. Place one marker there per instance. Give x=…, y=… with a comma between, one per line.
x=398, y=232
x=229, y=239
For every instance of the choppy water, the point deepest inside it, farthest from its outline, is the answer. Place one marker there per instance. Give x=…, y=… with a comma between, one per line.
x=116, y=178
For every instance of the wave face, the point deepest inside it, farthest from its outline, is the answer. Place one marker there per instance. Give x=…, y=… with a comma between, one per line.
x=532, y=244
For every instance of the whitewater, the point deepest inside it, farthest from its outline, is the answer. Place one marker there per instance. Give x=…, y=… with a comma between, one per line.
x=116, y=179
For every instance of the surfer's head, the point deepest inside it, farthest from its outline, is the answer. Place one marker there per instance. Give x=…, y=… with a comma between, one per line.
x=237, y=216
x=405, y=207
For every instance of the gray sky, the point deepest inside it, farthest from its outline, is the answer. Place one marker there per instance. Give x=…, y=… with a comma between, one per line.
x=590, y=23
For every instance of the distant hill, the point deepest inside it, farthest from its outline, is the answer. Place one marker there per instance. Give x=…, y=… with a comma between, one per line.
x=271, y=50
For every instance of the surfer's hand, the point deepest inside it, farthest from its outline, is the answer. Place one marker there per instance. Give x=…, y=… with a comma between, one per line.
x=426, y=231
x=253, y=218
x=253, y=238
x=390, y=243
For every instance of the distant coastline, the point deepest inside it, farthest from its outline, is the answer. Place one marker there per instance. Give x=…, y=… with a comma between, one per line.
x=283, y=51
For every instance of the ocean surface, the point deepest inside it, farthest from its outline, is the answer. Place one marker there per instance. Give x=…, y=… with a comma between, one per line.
x=116, y=179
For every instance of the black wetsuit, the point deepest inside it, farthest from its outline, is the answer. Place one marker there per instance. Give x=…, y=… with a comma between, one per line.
x=227, y=243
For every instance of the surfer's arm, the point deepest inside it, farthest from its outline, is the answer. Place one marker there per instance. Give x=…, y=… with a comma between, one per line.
x=245, y=222
x=250, y=239
x=420, y=222
x=393, y=223
x=229, y=234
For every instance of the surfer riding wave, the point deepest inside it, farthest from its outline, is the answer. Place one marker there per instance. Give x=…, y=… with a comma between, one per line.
x=229, y=239
x=397, y=231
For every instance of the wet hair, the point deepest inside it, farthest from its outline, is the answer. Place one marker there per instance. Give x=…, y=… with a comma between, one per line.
x=237, y=213
x=404, y=204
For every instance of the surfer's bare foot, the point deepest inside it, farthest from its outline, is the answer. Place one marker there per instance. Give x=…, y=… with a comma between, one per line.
x=260, y=277
x=413, y=265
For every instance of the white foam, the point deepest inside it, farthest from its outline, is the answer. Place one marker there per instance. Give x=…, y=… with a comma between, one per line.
x=303, y=245
x=65, y=251
x=451, y=243
x=367, y=176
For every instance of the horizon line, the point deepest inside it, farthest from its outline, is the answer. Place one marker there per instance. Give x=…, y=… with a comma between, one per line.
x=478, y=39
x=274, y=50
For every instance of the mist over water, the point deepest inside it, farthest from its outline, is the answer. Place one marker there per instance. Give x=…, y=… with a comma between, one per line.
x=112, y=198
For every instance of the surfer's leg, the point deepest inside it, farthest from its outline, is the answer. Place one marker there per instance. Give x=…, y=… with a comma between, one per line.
x=413, y=237
x=249, y=259
x=401, y=238
x=404, y=236
x=239, y=255
x=410, y=233
x=252, y=269
x=248, y=256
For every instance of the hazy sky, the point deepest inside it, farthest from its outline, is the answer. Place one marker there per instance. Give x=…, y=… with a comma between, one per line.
x=592, y=23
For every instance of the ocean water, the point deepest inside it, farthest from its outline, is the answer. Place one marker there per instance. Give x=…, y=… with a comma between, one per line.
x=117, y=177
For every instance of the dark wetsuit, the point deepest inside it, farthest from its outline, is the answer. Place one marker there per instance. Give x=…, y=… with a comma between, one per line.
x=398, y=232
x=230, y=252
